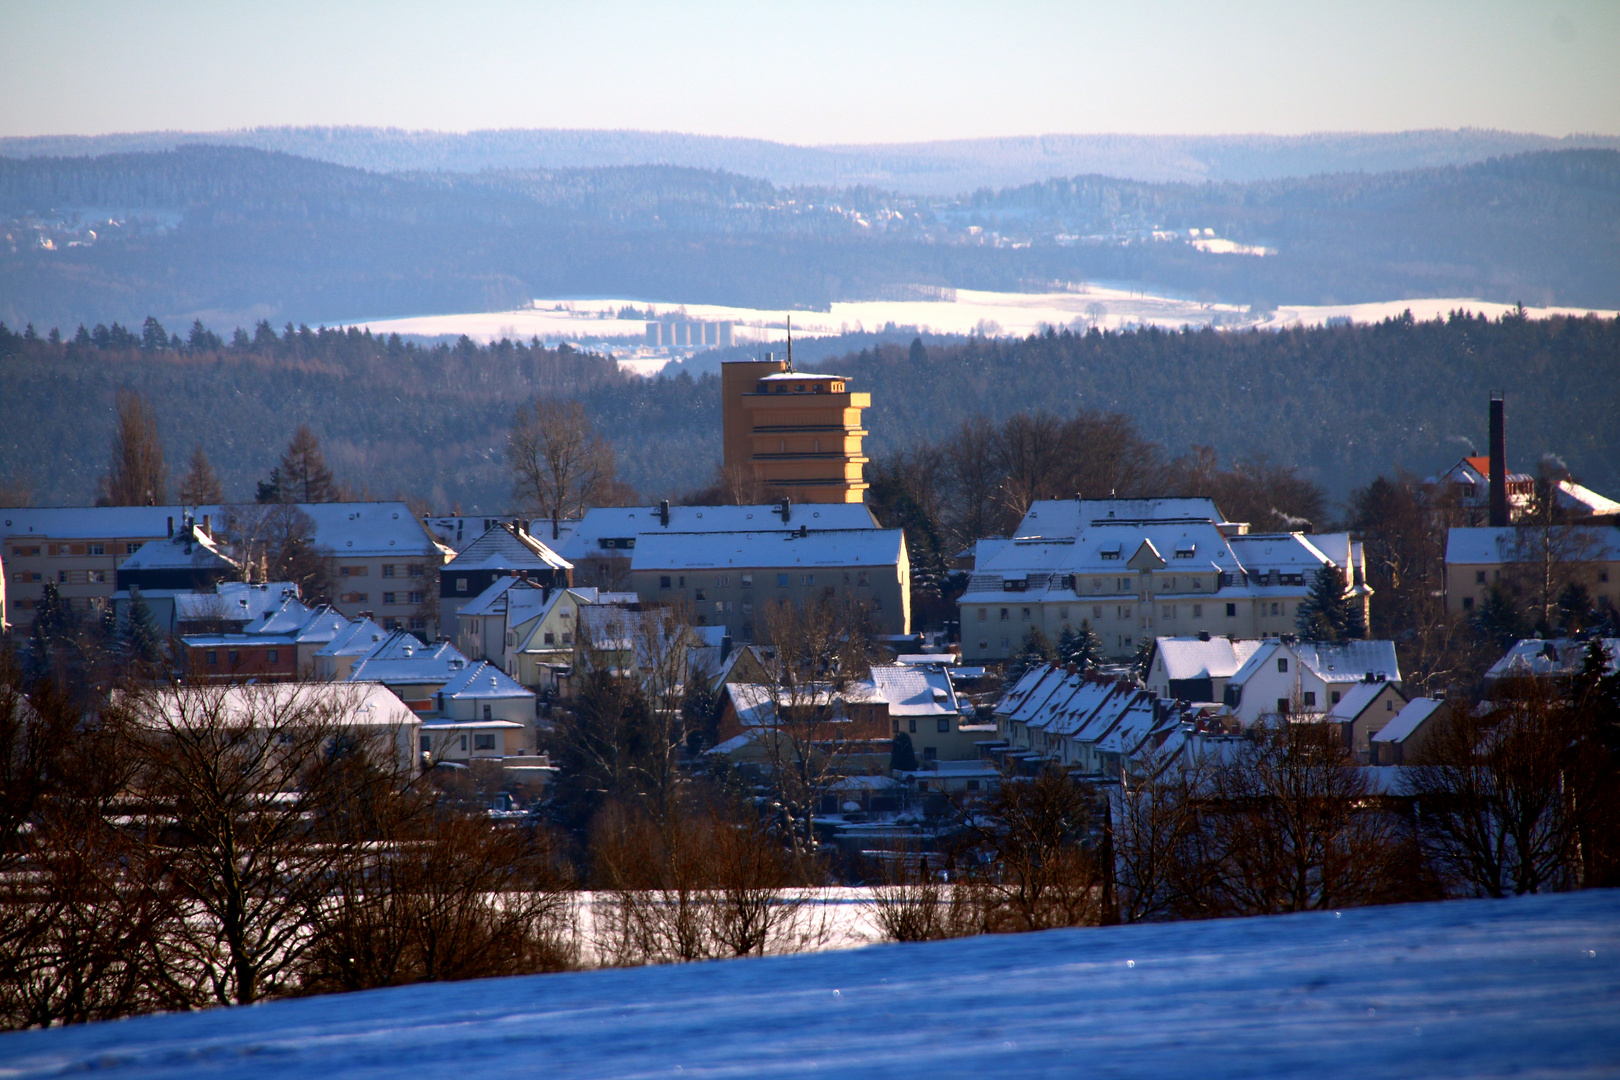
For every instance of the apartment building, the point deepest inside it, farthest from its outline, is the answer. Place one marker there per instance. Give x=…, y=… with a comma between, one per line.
x=1517, y=557
x=727, y=579
x=382, y=560
x=1136, y=569
x=795, y=432
x=506, y=550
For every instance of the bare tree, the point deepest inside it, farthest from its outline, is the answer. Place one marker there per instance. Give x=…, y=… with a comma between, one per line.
x=974, y=480
x=277, y=543
x=239, y=773
x=560, y=465
x=137, y=475
x=200, y=486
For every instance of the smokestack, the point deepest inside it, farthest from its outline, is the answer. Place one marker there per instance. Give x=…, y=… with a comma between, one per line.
x=1499, y=499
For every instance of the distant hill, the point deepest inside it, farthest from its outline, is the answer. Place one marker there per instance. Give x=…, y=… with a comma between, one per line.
x=233, y=235
x=931, y=168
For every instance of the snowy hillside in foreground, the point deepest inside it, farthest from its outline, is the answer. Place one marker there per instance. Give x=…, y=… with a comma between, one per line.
x=1478, y=988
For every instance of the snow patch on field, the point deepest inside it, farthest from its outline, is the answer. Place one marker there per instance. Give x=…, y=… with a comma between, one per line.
x=1523, y=987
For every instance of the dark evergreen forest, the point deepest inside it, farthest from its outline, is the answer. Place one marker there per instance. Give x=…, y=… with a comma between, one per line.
x=1340, y=404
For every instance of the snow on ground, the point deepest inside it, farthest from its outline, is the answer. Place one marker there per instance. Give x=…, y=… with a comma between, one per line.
x=1524, y=987
x=960, y=311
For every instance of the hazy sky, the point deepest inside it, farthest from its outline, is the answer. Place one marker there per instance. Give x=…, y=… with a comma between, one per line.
x=812, y=72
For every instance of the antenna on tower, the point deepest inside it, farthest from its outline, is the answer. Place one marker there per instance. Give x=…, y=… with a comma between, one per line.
x=790, y=342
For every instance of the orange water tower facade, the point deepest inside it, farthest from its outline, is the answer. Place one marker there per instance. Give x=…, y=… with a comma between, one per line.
x=798, y=434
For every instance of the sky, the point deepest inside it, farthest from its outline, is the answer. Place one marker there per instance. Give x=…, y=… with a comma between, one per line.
x=812, y=73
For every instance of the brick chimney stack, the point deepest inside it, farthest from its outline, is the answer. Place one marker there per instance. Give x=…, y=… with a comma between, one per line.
x=1499, y=499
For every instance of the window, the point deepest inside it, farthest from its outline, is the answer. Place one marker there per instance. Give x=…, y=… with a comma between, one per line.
x=388, y=598
x=984, y=613
x=700, y=595
x=747, y=607
x=464, y=742
x=1063, y=613
x=807, y=579
x=487, y=715
x=1024, y=614
x=1167, y=611
x=1333, y=697
x=550, y=638
x=273, y=656
x=418, y=570
x=1468, y=603
x=418, y=622
x=748, y=581
x=568, y=638
x=461, y=584
x=1275, y=609
x=1004, y=614
x=1198, y=611
x=99, y=576
x=97, y=549
x=781, y=581
x=1309, y=699
x=973, y=785
x=1479, y=577
x=663, y=581
x=212, y=656
x=1231, y=611
x=388, y=570
x=390, y=624
x=417, y=598
x=860, y=577
x=1123, y=611
x=426, y=743
x=984, y=646
x=61, y=577
x=353, y=571
x=1282, y=706
x=944, y=723
x=233, y=657
x=913, y=724
x=723, y=582
x=484, y=742
x=1282, y=663
x=1389, y=705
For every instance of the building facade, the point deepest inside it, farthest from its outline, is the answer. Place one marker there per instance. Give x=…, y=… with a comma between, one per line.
x=794, y=433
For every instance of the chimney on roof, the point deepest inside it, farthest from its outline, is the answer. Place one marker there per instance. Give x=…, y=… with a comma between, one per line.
x=206, y=530
x=663, y=512
x=171, y=525
x=785, y=508
x=804, y=530
x=1499, y=500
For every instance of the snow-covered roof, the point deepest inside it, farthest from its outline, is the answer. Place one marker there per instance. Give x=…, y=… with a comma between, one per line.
x=506, y=548
x=1486, y=546
x=768, y=550
x=756, y=704
x=232, y=601
x=402, y=658
x=481, y=682
x=1068, y=517
x=913, y=691
x=1572, y=496
x=185, y=550
x=364, y=705
x=1407, y=720
x=1192, y=658
x=1339, y=662
x=1355, y=700
x=498, y=597
x=629, y=523
x=1557, y=656
x=285, y=618
x=347, y=528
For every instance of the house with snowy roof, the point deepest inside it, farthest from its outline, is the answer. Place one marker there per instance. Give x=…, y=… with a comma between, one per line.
x=1284, y=677
x=1555, y=659
x=1196, y=668
x=1135, y=569
x=921, y=703
x=280, y=644
x=229, y=606
x=336, y=659
x=730, y=578
x=1085, y=723
x=1363, y=710
x=1480, y=559
x=1467, y=485
x=506, y=550
x=1401, y=740
x=414, y=671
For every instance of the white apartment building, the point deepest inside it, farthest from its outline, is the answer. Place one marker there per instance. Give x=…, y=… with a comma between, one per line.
x=1136, y=569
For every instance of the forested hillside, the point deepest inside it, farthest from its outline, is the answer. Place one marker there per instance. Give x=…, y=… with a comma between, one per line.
x=232, y=235
x=936, y=168
x=1342, y=403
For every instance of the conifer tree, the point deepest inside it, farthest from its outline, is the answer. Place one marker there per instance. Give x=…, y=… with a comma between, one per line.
x=1036, y=649
x=1326, y=614
x=304, y=476
x=143, y=645
x=200, y=486
x=902, y=755
x=1080, y=646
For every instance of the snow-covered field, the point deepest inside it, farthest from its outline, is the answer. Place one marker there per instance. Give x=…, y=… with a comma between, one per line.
x=963, y=311
x=1527, y=987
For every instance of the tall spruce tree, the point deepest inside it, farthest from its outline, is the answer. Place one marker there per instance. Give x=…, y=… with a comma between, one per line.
x=1081, y=647
x=142, y=643
x=1326, y=613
